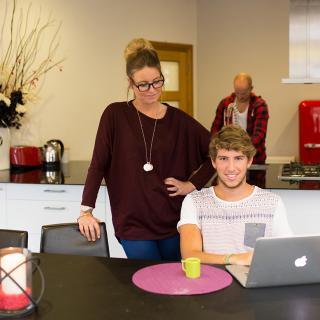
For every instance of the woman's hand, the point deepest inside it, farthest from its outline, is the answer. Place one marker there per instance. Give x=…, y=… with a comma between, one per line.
x=178, y=188
x=89, y=226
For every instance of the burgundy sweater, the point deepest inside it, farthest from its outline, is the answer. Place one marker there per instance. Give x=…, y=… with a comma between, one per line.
x=140, y=204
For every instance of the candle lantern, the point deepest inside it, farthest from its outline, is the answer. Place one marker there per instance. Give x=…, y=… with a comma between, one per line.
x=16, y=282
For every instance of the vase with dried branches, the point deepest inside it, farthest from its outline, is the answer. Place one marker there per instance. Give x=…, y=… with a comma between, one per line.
x=28, y=46
x=21, y=65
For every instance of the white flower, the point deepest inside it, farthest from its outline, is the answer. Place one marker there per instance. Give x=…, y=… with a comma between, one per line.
x=29, y=96
x=5, y=99
x=21, y=108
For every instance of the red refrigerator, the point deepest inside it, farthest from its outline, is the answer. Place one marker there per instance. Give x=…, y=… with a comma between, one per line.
x=309, y=131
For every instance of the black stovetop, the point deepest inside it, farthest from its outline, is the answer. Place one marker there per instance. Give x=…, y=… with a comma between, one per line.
x=299, y=171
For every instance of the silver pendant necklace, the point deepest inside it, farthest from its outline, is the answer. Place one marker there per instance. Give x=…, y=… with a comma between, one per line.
x=148, y=165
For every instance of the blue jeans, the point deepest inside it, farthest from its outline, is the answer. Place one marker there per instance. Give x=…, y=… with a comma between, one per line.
x=164, y=249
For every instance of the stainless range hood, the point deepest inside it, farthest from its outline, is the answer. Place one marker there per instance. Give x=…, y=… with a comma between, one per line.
x=304, y=42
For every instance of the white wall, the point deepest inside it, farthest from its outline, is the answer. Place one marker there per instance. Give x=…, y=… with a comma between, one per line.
x=228, y=36
x=93, y=37
x=250, y=36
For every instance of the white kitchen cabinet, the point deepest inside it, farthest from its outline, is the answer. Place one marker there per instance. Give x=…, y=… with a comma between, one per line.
x=2, y=205
x=29, y=206
x=302, y=210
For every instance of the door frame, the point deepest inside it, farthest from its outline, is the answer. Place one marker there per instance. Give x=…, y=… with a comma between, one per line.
x=188, y=50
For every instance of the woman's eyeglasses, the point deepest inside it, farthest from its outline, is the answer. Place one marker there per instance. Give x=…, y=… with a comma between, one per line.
x=145, y=86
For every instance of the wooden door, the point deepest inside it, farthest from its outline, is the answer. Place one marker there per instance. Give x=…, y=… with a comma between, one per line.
x=177, y=68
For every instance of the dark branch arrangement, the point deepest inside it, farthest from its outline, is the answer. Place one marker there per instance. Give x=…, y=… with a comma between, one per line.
x=21, y=65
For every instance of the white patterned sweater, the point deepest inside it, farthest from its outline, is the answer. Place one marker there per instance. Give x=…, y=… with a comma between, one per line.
x=233, y=227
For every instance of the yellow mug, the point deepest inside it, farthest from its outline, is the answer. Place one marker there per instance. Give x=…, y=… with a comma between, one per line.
x=191, y=267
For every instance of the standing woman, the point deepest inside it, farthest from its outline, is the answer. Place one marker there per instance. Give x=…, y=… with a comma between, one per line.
x=151, y=155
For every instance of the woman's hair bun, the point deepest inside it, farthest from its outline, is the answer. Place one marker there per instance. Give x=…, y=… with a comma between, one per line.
x=136, y=45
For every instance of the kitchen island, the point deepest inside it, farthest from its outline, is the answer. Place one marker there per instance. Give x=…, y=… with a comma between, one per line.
x=34, y=198
x=30, y=199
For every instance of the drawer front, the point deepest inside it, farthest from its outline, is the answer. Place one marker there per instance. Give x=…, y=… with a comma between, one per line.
x=31, y=215
x=49, y=192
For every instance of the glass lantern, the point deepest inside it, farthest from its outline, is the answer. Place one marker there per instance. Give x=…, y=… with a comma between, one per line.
x=15, y=282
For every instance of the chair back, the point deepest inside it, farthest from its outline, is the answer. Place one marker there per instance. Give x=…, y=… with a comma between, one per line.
x=66, y=238
x=13, y=238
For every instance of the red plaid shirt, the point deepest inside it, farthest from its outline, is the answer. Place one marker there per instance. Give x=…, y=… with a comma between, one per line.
x=257, y=122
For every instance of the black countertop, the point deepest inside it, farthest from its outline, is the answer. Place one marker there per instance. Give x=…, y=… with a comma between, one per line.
x=72, y=173
x=78, y=287
x=75, y=172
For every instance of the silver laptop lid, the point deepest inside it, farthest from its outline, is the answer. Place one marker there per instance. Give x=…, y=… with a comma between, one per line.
x=285, y=261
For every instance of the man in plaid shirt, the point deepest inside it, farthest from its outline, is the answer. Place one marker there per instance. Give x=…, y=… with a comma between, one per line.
x=246, y=109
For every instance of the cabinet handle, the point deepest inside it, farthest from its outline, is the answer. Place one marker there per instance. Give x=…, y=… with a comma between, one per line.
x=55, y=208
x=312, y=145
x=54, y=191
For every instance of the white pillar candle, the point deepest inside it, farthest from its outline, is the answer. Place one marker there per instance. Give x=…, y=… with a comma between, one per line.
x=9, y=262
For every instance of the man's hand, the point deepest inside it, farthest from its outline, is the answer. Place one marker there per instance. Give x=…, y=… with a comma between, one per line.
x=242, y=259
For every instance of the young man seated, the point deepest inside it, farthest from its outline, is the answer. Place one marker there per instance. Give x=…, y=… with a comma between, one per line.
x=220, y=224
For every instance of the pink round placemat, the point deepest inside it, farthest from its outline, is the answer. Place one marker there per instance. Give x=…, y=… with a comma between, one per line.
x=169, y=278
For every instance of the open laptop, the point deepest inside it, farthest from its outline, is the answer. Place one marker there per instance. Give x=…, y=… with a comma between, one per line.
x=281, y=261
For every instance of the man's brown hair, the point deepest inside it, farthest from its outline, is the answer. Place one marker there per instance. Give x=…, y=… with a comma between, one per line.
x=231, y=137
